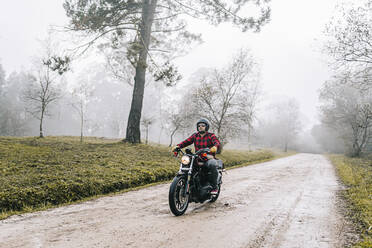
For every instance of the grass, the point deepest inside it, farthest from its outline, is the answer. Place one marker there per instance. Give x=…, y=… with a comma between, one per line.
x=356, y=174
x=39, y=174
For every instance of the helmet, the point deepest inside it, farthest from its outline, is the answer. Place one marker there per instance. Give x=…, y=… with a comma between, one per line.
x=205, y=121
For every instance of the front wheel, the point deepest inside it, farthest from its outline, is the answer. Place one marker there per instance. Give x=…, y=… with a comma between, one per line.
x=178, y=200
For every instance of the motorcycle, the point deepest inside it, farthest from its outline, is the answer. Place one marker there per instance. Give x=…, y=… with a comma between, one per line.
x=191, y=184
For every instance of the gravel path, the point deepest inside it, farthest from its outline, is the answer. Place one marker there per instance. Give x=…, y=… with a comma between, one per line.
x=288, y=202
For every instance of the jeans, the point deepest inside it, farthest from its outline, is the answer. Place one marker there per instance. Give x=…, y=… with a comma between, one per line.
x=212, y=172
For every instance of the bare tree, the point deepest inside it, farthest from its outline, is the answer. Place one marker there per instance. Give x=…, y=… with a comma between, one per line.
x=282, y=123
x=346, y=101
x=147, y=122
x=175, y=122
x=224, y=96
x=39, y=94
x=289, y=124
x=349, y=112
x=81, y=96
x=248, y=108
x=42, y=89
x=116, y=124
x=149, y=27
x=349, y=43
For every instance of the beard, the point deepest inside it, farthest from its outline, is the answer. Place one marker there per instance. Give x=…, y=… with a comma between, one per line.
x=202, y=132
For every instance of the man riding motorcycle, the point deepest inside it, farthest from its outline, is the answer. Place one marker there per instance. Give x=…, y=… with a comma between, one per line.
x=203, y=139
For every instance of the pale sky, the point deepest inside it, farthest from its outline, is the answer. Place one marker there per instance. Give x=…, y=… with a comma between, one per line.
x=287, y=48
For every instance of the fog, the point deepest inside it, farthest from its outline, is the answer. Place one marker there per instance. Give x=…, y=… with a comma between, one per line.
x=290, y=71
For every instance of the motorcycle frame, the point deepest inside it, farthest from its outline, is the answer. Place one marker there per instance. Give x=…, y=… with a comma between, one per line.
x=182, y=171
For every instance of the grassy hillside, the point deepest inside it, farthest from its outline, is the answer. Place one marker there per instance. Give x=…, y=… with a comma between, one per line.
x=39, y=173
x=356, y=174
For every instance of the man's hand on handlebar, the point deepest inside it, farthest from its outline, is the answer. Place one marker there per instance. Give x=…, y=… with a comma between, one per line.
x=176, y=149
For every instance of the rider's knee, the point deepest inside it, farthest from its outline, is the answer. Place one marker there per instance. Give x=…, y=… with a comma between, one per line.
x=212, y=163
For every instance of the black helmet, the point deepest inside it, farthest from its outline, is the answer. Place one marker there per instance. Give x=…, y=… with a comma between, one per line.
x=205, y=121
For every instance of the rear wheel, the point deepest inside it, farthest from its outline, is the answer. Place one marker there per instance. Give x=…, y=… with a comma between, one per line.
x=215, y=197
x=178, y=199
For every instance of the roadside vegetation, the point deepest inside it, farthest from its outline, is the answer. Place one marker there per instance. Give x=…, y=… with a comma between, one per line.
x=356, y=174
x=41, y=173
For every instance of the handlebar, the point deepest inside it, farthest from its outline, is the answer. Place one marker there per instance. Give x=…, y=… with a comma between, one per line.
x=176, y=151
x=188, y=151
x=203, y=150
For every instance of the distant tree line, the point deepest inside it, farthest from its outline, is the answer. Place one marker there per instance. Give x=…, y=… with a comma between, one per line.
x=32, y=107
x=95, y=103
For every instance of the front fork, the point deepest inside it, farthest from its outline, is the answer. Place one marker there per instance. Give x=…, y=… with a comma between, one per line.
x=187, y=184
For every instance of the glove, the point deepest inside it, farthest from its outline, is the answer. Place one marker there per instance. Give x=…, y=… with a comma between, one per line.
x=175, y=149
x=213, y=149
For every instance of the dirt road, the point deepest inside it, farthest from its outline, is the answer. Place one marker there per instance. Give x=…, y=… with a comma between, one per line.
x=289, y=202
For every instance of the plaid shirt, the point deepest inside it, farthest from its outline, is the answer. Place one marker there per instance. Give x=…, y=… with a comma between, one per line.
x=207, y=141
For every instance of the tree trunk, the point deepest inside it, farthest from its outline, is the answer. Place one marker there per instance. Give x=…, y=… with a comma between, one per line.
x=160, y=133
x=221, y=139
x=220, y=148
x=81, y=129
x=171, y=137
x=355, y=152
x=356, y=148
x=133, y=128
x=41, y=122
x=147, y=134
x=285, y=147
x=249, y=138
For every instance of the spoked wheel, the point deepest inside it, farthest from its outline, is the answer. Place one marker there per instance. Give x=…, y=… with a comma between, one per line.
x=178, y=200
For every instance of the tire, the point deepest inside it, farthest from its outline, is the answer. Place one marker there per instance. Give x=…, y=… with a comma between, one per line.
x=215, y=197
x=177, y=203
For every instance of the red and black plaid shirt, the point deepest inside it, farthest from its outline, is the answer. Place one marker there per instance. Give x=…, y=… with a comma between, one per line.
x=207, y=141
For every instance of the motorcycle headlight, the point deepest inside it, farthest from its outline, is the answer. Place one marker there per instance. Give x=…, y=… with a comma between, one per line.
x=185, y=160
